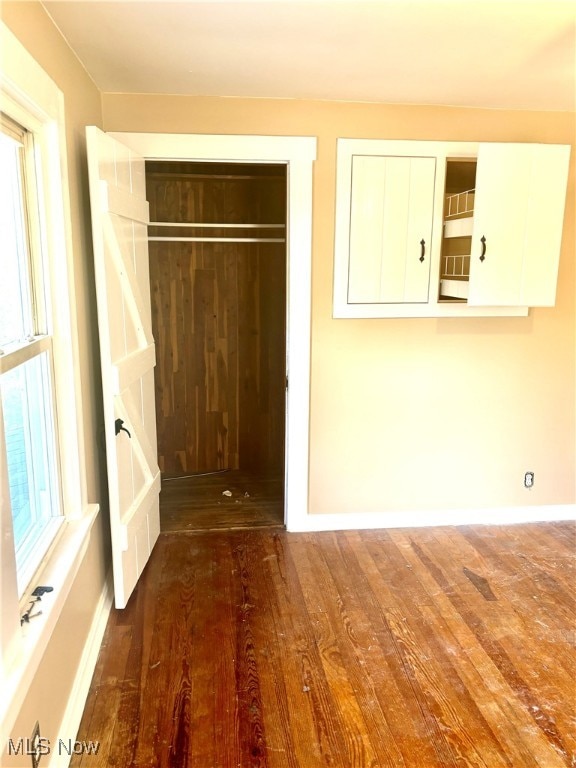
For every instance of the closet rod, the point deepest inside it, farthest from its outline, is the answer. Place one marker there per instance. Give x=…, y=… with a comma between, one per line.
x=169, y=176
x=217, y=239
x=214, y=226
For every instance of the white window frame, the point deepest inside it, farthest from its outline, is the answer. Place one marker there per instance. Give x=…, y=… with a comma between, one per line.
x=31, y=99
x=40, y=344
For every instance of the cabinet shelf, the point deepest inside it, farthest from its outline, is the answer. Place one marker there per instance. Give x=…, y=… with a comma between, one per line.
x=457, y=244
x=460, y=204
x=458, y=214
x=454, y=289
x=459, y=227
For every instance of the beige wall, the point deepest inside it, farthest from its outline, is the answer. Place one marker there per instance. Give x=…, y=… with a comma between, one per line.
x=414, y=414
x=50, y=691
x=405, y=413
x=82, y=101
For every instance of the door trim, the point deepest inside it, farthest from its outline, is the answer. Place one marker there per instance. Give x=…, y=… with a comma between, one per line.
x=298, y=153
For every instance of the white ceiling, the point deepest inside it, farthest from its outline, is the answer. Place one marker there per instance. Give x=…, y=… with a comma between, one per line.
x=510, y=54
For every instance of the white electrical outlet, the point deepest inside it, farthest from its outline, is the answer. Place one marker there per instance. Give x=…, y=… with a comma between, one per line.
x=528, y=479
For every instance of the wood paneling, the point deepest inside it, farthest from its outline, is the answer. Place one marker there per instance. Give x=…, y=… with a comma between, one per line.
x=425, y=648
x=219, y=321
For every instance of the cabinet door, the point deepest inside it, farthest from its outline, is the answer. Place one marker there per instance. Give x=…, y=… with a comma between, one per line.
x=518, y=218
x=391, y=211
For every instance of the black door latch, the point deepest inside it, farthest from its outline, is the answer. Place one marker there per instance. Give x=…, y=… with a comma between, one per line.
x=119, y=428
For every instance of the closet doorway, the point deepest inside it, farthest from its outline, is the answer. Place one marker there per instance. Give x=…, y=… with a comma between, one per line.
x=217, y=247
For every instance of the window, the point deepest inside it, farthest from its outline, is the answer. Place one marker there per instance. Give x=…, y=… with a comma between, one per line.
x=26, y=355
x=45, y=518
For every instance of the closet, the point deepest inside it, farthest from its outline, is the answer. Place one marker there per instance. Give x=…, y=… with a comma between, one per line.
x=217, y=245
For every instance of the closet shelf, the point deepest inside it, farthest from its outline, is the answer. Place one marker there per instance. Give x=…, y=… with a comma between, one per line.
x=214, y=225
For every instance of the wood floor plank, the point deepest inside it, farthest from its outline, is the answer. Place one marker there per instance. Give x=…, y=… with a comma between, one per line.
x=453, y=721
x=491, y=688
x=309, y=683
x=498, y=651
x=564, y=533
x=101, y=710
x=213, y=709
x=290, y=716
x=533, y=605
x=333, y=629
x=223, y=500
x=255, y=648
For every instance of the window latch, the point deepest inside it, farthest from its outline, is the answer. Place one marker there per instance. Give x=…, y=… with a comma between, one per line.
x=39, y=592
x=37, y=595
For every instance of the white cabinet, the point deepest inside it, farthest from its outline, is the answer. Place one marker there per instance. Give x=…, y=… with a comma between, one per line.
x=447, y=228
x=518, y=217
x=390, y=234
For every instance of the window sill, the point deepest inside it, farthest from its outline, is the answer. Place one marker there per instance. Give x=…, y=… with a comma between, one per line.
x=59, y=572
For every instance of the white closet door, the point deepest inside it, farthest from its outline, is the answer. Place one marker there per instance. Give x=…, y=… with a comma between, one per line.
x=119, y=230
x=391, y=213
x=518, y=218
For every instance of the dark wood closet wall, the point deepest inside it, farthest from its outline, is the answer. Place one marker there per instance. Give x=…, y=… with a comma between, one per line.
x=218, y=316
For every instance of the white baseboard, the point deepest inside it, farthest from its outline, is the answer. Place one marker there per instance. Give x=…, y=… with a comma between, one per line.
x=60, y=758
x=435, y=517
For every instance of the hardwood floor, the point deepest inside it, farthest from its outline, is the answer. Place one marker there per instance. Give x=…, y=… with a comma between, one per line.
x=415, y=648
x=230, y=499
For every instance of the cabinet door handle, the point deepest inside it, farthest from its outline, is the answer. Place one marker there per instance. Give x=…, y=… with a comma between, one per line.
x=483, y=254
x=423, y=247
